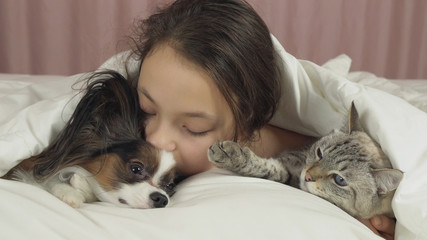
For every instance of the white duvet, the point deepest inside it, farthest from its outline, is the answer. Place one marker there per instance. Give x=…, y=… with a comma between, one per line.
x=218, y=204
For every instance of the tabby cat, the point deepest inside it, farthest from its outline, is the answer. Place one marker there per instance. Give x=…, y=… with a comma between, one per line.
x=345, y=167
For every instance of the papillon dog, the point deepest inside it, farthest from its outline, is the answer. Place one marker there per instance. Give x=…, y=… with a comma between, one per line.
x=101, y=153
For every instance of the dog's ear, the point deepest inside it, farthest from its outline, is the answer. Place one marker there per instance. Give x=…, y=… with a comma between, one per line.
x=122, y=116
x=107, y=112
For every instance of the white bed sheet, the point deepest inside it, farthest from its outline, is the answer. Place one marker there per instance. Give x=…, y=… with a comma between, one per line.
x=217, y=204
x=211, y=205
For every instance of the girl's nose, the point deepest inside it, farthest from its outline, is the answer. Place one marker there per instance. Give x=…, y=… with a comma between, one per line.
x=160, y=137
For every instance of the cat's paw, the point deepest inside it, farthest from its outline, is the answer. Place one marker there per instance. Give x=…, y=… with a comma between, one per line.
x=228, y=155
x=68, y=194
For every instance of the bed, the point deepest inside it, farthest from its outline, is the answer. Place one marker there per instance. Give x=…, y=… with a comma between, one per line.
x=218, y=204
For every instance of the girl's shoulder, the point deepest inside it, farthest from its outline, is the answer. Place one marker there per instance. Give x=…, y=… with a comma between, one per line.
x=273, y=140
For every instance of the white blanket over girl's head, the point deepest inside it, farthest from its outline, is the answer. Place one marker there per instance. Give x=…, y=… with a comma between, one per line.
x=318, y=98
x=217, y=204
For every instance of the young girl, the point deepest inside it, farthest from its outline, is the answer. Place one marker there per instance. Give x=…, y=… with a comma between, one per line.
x=209, y=72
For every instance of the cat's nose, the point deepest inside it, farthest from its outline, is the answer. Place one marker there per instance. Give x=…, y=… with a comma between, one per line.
x=308, y=177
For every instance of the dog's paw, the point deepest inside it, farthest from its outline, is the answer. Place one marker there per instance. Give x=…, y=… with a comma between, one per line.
x=69, y=195
x=228, y=155
x=80, y=184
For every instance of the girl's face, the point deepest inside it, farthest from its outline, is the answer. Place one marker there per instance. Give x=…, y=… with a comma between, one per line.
x=186, y=111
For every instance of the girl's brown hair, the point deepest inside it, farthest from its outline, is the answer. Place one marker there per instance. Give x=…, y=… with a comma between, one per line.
x=231, y=43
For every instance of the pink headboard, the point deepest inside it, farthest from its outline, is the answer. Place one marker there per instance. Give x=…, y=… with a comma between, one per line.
x=388, y=38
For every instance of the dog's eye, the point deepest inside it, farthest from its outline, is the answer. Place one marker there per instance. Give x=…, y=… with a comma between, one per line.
x=137, y=168
x=170, y=186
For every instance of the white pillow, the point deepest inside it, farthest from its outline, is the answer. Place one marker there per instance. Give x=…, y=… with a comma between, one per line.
x=211, y=205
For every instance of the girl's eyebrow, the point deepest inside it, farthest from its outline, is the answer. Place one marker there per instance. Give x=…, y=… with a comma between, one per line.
x=147, y=95
x=199, y=115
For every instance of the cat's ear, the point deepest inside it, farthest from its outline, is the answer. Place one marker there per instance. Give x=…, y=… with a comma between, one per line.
x=353, y=120
x=387, y=180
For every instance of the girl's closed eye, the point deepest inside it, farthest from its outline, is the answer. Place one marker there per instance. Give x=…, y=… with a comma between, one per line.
x=196, y=126
x=196, y=133
x=149, y=112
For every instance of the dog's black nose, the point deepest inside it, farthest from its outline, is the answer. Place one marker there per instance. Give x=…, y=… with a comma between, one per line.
x=159, y=200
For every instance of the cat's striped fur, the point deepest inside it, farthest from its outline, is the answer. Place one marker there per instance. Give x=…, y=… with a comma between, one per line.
x=346, y=167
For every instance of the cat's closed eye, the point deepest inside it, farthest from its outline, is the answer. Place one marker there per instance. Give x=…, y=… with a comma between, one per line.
x=339, y=180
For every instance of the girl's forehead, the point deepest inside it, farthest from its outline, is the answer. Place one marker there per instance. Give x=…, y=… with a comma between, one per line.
x=172, y=82
x=165, y=65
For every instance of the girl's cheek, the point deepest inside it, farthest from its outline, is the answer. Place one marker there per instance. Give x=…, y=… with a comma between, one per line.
x=150, y=132
x=194, y=156
x=148, y=126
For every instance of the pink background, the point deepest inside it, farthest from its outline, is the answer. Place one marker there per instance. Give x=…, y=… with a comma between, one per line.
x=385, y=37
